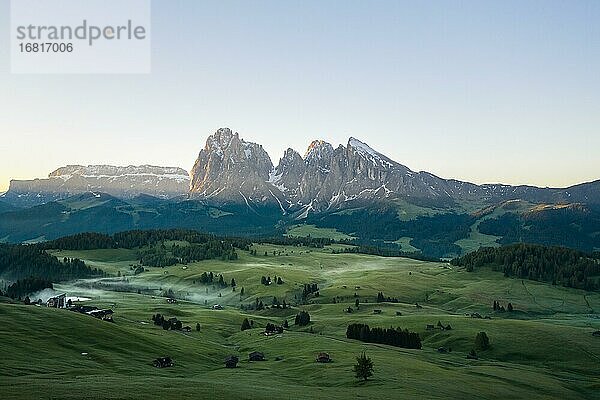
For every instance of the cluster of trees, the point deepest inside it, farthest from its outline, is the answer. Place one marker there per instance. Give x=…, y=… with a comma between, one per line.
x=393, y=337
x=382, y=299
x=26, y=286
x=306, y=241
x=156, y=257
x=379, y=248
x=308, y=289
x=277, y=304
x=272, y=328
x=162, y=256
x=208, y=278
x=302, y=318
x=171, y=323
x=497, y=307
x=139, y=238
x=210, y=250
x=266, y=280
x=25, y=261
x=258, y=305
x=557, y=265
x=81, y=241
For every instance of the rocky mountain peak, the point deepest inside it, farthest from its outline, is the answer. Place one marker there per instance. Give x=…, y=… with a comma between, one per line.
x=357, y=147
x=230, y=168
x=318, y=149
x=221, y=140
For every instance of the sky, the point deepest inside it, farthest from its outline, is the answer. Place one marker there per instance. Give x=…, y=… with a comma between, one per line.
x=475, y=90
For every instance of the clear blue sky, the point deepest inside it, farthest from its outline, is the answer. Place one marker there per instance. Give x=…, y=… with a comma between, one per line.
x=504, y=91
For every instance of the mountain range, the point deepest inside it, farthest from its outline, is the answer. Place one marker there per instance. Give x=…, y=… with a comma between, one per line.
x=231, y=169
x=234, y=188
x=124, y=182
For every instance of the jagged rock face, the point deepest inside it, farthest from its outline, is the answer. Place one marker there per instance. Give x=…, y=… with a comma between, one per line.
x=288, y=174
x=124, y=182
x=229, y=168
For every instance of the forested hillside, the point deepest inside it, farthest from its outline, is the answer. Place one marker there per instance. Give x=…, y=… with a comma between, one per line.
x=23, y=261
x=557, y=265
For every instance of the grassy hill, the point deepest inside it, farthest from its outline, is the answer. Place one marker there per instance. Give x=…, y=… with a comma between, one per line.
x=544, y=349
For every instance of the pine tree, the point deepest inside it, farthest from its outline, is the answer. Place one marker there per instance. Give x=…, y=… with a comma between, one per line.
x=363, y=368
x=245, y=324
x=482, y=342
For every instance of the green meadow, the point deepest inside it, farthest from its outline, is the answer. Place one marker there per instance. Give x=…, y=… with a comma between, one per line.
x=543, y=349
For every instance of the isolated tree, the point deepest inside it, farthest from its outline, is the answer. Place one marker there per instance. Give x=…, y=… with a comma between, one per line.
x=482, y=341
x=363, y=368
x=357, y=303
x=233, y=283
x=286, y=324
x=245, y=324
x=197, y=327
x=509, y=307
x=242, y=291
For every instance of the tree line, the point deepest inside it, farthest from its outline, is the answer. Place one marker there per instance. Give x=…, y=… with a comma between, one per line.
x=24, y=261
x=23, y=287
x=556, y=265
x=391, y=336
x=138, y=238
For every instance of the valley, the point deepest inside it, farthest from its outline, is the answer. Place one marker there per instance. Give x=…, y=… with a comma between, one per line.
x=543, y=349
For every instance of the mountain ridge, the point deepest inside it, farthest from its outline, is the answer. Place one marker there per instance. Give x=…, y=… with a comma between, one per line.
x=326, y=177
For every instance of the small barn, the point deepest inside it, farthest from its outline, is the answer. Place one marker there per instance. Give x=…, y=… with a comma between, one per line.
x=231, y=361
x=217, y=307
x=256, y=356
x=187, y=329
x=376, y=311
x=323, y=358
x=59, y=301
x=105, y=315
x=163, y=362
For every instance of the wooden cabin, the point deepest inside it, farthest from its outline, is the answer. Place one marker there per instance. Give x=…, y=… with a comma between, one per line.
x=59, y=301
x=256, y=356
x=231, y=361
x=323, y=358
x=163, y=362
